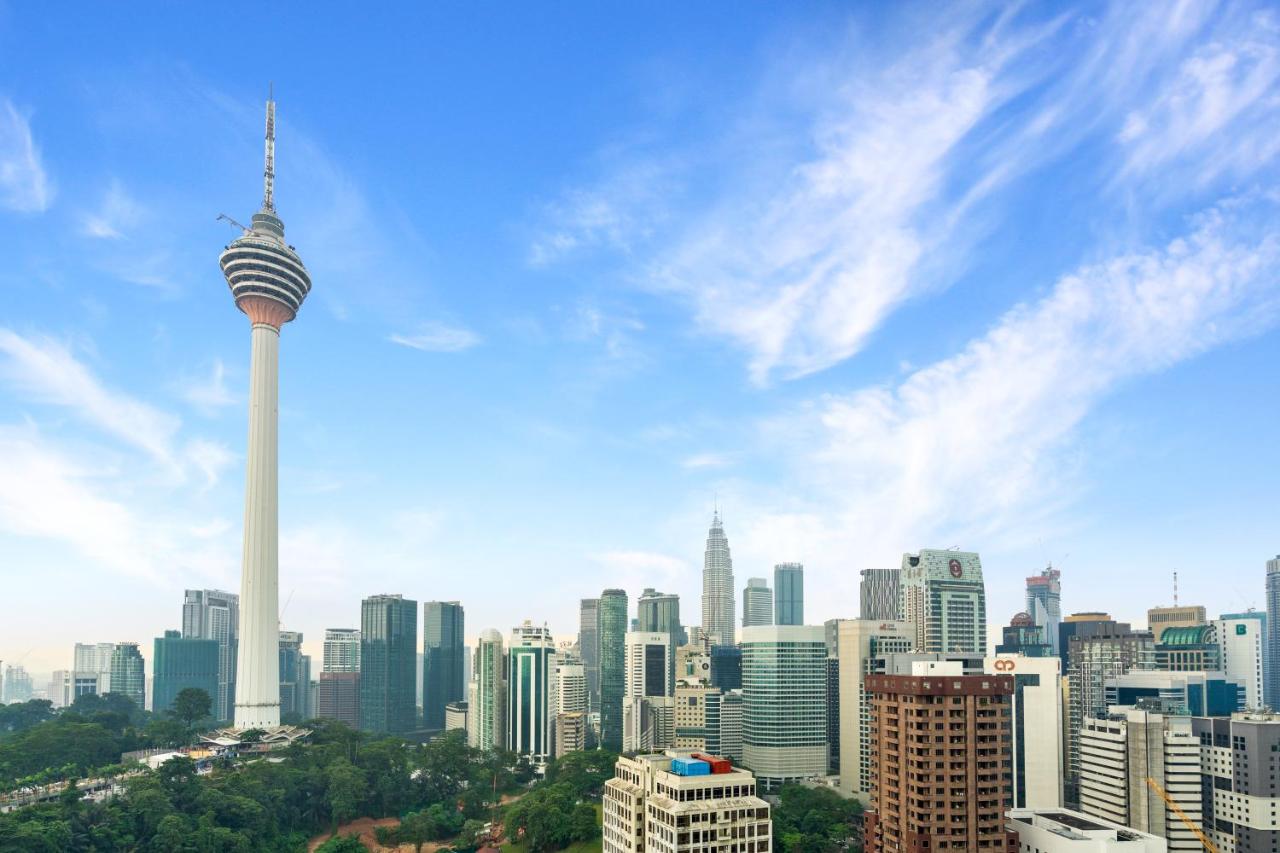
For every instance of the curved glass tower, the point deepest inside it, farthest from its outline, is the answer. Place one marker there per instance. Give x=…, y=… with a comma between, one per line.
x=269, y=283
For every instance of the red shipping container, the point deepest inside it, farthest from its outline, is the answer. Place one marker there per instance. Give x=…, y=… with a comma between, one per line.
x=718, y=765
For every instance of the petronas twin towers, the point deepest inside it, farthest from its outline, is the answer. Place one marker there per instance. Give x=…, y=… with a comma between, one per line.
x=717, y=586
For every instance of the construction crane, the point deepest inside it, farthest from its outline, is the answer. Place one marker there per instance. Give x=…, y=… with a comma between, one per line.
x=1182, y=816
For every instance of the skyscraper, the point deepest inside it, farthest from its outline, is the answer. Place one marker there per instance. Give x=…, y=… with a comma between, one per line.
x=863, y=646
x=341, y=650
x=212, y=614
x=180, y=662
x=529, y=691
x=589, y=647
x=788, y=594
x=943, y=596
x=784, y=686
x=92, y=668
x=388, y=663
x=1037, y=748
x=757, y=603
x=486, y=705
x=660, y=611
x=338, y=697
x=968, y=791
x=269, y=282
x=295, y=677
x=1271, y=665
x=1044, y=604
x=443, y=680
x=128, y=673
x=1242, y=637
x=1023, y=636
x=613, y=632
x=878, y=594
x=1178, y=616
x=717, y=586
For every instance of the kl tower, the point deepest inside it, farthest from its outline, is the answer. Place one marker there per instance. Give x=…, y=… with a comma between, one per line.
x=268, y=282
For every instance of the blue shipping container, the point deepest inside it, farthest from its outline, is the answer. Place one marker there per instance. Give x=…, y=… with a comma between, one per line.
x=690, y=767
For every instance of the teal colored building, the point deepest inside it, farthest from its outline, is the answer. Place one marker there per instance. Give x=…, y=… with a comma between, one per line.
x=181, y=662
x=613, y=659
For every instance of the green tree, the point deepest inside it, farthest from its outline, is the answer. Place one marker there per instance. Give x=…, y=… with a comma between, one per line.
x=815, y=820
x=343, y=844
x=345, y=794
x=191, y=705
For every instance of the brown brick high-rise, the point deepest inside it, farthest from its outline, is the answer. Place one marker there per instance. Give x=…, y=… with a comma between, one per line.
x=940, y=763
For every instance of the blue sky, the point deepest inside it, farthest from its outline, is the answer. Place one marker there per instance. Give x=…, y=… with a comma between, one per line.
x=996, y=277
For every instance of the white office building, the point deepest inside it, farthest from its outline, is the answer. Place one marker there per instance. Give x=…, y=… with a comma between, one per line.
x=1066, y=831
x=1242, y=638
x=784, y=686
x=653, y=805
x=862, y=647
x=1038, y=754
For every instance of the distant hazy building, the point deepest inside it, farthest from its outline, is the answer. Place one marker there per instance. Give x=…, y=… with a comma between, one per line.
x=757, y=603
x=1024, y=637
x=1271, y=662
x=1072, y=625
x=1044, y=604
x=784, y=685
x=388, y=663
x=92, y=668
x=128, y=673
x=717, y=586
x=613, y=632
x=572, y=730
x=1242, y=638
x=17, y=685
x=178, y=663
x=338, y=697
x=1037, y=750
x=726, y=667
x=788, y=594
x=571, y=714
x=942, y=595
x=1238, y=795
x=1184, y=616
x=589, y=647
x=730, y=724
x=1124, y=749
x=341, y=650
x=61, y=688
x=214, y=614
x=443, y=680
x=878, y=594
x=487, y=699
x=529, y=723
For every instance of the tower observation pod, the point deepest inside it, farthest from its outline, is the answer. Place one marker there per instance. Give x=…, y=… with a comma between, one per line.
x=269, y=283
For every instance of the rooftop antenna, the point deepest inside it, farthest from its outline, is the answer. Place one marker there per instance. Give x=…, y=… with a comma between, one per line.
x=1175, y=587
x=222, y=216
x=269, y=172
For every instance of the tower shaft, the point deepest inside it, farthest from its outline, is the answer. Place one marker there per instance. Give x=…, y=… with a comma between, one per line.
x=258, y=670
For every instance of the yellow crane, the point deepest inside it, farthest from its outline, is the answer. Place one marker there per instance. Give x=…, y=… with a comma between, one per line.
x=1182, y=816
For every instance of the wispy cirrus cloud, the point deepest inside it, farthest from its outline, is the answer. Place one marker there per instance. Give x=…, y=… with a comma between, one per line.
x=115, y=216
x=24, y=185
x=210, y=394
x=46, y=371
x=962, y=449
x=436, y=336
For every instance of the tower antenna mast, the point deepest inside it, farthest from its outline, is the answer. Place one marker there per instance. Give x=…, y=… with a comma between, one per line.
x=1175, y=587
x=269, y=170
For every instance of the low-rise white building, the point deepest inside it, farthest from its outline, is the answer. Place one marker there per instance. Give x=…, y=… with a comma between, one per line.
x=1066, y=831
x=669, y=803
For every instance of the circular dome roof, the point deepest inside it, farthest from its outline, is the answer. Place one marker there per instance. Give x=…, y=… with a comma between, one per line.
x=1022, y=620
x=260, y=263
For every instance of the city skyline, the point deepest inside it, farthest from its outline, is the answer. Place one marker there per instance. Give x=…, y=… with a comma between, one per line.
x=554, y=326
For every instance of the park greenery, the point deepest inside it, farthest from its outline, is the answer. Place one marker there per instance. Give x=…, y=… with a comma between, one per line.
x=442, y=791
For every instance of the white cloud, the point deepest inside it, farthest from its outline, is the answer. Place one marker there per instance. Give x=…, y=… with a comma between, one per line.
x=47, y=372
x=636, y=569
x=616, y=215
x=978, y=445
x=24, y=186
x=210, y=394
x=435, y=336
x=707, y=460
x=116, y=215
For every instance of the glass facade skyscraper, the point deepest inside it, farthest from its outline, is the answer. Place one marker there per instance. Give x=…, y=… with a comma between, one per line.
x=486, y=705
x=613, y=654
x=784, y=687
x=1271, y=664
x=660, y=612
x=943, y=596
x=128, y=673
x=388, y=663
x=213, y=614
x=1044, y=604
x=528, y=691
x=180, y=662
x=878, y=594
x=589, y=647
x=443, y=680
x=788, y=594
x=341, y=650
